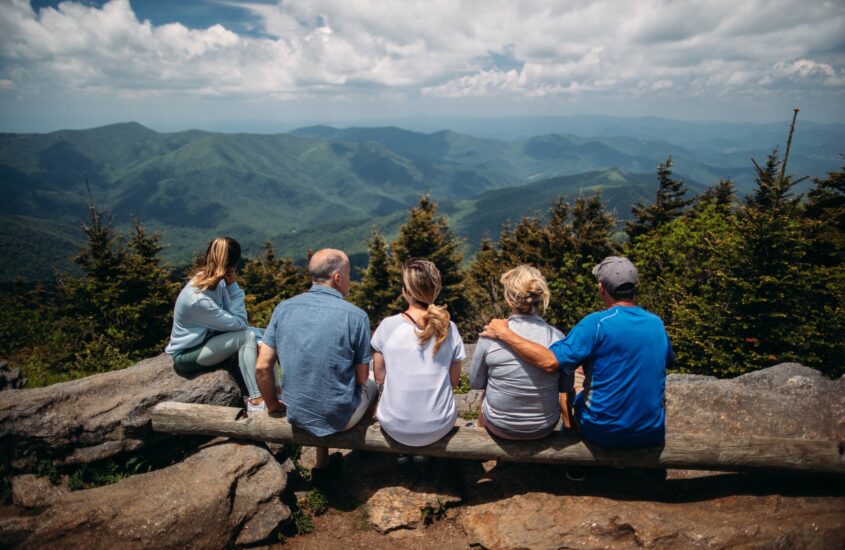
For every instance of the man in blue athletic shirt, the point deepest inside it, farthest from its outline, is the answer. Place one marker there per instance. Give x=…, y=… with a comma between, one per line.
x=625, y=352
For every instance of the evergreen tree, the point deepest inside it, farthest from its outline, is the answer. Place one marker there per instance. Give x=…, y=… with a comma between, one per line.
x=741, y=290
x=377, y=289
x=682, y=268
x=669, y=203
x=722, y=195
x=268, y=280
x=826, y=206
x=592, y=229
x=483, y=289
x=525, y=243
x=119, y=308
x=427, y=235
x=145, y=312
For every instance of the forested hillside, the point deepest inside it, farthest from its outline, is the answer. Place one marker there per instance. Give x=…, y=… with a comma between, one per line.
x=325, y=186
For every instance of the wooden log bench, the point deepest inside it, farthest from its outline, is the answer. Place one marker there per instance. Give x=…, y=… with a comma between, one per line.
x=684, y=451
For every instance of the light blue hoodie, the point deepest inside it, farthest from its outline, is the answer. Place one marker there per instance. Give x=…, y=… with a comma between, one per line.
x=199, y=312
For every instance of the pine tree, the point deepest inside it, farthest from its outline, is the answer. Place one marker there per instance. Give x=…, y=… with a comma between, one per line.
x=592, y=229
x=269, y=279
x=772, y=191
x=145, y=312
x=483, y=289
x=669, y=203
x=527, y=242
x=377, y=289
x=122, y=302
x=722, y=195
x=427, y=235
x=826, y=206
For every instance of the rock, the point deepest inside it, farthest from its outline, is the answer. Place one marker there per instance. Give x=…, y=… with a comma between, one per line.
x=99, y=416
x=227, y=492
x=10, y=379
x=625, y=508
x=541, y=521
x=468, y=403
x=394, y=494
x=30, y=491
x=469, y=349
x=787, y=400
x=392, y=508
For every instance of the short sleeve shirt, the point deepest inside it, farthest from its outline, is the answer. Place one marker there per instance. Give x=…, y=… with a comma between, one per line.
x=319, y=338
x=519, y=398
x=625, y=352
x=417, y=406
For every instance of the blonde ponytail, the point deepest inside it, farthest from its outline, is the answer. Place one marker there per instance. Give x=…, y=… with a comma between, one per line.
x=435, y=324
x=421, y=280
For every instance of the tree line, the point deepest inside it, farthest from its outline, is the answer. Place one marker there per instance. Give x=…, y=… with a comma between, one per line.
x=742, y=283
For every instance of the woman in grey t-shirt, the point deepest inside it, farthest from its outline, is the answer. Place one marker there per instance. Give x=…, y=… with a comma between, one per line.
x=521, y=401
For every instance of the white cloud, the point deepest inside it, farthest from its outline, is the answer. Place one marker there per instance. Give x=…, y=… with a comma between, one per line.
x=339, y=49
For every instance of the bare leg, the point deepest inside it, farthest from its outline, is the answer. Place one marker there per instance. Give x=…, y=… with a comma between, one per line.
x=322, y=457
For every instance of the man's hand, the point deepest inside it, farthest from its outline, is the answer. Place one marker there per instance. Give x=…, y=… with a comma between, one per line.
x=496, y=328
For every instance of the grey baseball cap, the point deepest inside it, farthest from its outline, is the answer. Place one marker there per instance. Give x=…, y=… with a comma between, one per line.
x=618, y=275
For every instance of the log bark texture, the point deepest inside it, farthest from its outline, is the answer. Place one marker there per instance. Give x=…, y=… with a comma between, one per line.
x=687, y=451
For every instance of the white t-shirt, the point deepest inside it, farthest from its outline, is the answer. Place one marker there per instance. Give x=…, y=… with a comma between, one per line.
x=417, y=406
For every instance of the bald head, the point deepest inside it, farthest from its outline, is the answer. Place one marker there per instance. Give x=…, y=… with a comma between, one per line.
x=324, y=264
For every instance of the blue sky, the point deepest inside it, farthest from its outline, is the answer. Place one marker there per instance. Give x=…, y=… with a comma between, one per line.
x=265, y=65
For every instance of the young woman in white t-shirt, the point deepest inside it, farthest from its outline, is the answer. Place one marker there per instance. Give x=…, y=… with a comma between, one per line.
x=417, y=356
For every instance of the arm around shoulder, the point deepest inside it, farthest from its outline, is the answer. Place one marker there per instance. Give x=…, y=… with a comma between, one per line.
x=530, y=352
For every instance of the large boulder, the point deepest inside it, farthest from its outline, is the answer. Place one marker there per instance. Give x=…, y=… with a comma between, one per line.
x=226, y=492
x=543, y=521
x=99, y=416
x=788, y=400
x=535, y=506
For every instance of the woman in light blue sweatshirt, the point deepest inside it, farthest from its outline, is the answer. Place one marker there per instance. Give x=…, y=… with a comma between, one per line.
x=210, y=320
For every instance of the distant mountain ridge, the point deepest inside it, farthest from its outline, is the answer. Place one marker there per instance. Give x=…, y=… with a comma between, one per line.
x=308, y=188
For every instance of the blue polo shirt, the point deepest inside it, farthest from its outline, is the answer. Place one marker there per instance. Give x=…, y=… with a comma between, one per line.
x=625, y=352
x=319, y=338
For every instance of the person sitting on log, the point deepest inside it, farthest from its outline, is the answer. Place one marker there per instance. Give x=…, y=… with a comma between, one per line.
x=210, y=319
x=625, y=352
x=323, y=345
x=417, y=355
x=520, y=401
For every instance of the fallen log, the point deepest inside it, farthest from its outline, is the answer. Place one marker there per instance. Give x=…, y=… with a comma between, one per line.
x=685, y=451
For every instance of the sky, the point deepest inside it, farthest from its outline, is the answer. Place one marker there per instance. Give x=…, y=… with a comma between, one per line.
x=261, y=65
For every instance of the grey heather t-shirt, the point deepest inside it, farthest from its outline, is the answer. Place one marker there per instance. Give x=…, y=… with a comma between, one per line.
x=520, y=398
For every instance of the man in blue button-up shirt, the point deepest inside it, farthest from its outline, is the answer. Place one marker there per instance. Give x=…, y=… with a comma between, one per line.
x=323, y=345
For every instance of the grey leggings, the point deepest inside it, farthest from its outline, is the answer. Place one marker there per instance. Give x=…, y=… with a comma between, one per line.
x=217, y=349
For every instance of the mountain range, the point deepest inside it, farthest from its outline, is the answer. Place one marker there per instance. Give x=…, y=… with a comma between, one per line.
x=321, y=186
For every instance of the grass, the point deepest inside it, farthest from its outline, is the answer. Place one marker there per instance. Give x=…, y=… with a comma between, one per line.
x=463, y=385
x=471, y=414
x=433, y=511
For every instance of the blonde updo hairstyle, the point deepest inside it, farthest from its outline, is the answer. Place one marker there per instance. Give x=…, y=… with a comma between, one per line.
x=421, y=285
x=223, y=253
x=526, y=290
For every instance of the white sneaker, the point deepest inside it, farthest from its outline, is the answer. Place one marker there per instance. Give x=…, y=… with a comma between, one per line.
x=255, y=407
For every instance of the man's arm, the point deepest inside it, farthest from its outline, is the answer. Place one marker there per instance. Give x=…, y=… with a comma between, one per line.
x=531, y=352
x=362, y=372
x=265, y=378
